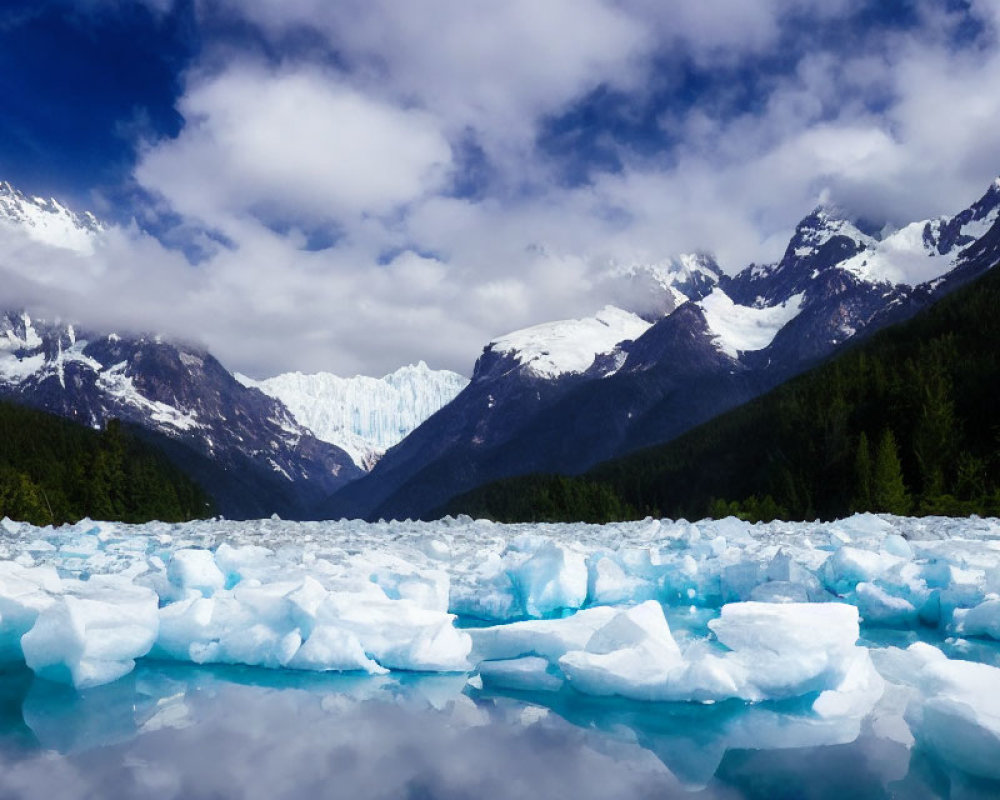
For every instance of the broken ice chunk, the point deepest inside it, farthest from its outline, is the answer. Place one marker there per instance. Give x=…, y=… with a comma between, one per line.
x=93, y=632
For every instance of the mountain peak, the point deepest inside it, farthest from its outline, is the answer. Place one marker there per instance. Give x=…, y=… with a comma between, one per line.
x=829, y=220
x=553, y=349
x=48, y=221
x=988, y=201
x=815, y=233
x=653, y=289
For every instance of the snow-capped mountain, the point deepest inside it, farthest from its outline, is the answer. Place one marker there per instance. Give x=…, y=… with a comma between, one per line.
x=363, y=416
x=554, y=349
x=536, y=405
x=244, y=447
x=48, y=221
x=917, y=253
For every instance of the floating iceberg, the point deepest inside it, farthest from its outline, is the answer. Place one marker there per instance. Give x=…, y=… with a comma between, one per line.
x=652, y=611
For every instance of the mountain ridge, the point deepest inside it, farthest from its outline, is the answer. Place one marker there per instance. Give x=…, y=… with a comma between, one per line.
x=685, y=342
x=265, y=462
x=897, y=423
x=680, y=371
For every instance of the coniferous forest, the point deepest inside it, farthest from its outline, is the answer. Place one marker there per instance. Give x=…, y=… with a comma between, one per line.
x=54, y=471
x=907, y=422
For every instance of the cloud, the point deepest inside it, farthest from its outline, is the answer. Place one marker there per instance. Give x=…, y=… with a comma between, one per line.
x=291, y=143
x=492, y=66
x=361, y=139
x=199, y=732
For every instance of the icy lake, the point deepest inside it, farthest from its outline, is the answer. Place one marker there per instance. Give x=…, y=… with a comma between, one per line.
x=469, y=659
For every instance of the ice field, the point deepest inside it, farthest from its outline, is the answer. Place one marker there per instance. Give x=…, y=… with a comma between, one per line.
x=683, y=647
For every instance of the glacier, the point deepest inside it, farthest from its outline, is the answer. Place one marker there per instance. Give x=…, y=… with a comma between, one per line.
x=872, y=626
x=363, y=416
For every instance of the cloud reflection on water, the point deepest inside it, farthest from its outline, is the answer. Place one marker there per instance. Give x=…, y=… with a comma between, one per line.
x=175, y=731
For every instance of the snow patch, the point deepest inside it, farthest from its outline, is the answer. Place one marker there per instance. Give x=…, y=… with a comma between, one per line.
x=116, y=383
x=739, y=329
x=570, y=346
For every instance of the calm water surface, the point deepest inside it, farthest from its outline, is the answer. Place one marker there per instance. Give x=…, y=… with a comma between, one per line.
x=181, y=731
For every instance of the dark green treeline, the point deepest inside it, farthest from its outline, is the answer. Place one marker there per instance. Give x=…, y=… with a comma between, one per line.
x=54, y=471
x=907, y=422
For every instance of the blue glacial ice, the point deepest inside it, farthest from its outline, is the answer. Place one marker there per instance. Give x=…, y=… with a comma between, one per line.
x=653, y=611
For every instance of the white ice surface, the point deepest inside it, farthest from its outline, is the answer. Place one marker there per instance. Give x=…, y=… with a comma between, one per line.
x=363, y=416
x=578, y=606
x=952, y=707
x=570, y=346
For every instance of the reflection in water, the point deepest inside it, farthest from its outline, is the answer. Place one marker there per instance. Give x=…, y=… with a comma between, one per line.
x=177, y=731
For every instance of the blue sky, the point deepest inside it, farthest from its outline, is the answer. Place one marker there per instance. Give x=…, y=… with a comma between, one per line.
x=355, y=185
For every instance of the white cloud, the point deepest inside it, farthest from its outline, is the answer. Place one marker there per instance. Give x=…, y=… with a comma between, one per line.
x=292, y=143
x=493, y=66
x=900, y=128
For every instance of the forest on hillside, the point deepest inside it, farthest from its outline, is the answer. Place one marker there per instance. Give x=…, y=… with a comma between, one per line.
x=906, y=422
x=54, y=471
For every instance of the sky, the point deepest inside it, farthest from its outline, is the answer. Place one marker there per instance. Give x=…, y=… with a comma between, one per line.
x=352, y=186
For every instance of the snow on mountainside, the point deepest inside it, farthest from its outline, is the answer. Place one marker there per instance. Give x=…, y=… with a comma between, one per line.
x=824, y=226
x=25, y=357
x=640, y=294
x=363, y=416
x=561, y=397
x=742, y=329
x=48, y=221
x=553, y=349
x=915, y=254
x=245, y=448
x=923, y=251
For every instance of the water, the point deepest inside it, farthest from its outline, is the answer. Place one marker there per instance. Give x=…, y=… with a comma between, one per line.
x=181, y=731
x=178, y=730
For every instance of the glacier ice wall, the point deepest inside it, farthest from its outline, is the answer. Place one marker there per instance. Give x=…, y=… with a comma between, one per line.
x=363, y=416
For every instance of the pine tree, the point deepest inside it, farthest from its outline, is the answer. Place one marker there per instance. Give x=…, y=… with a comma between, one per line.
x=935, y=434
x=862, y=500
x=888, y=489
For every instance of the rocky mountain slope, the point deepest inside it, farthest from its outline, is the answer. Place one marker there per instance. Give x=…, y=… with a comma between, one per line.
x=535, y=405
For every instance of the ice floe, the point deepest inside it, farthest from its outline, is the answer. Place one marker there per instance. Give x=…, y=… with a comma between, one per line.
x=651, y=611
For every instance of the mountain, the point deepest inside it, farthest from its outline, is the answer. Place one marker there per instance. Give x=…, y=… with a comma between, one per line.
x=361, y=415
x=653, y=290
x=535, y=405
x=242, y=446
x=905, y=422
x=47, y=221
x=245, y=448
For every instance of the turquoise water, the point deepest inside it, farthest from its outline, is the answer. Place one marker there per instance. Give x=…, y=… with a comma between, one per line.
x=181, y=731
